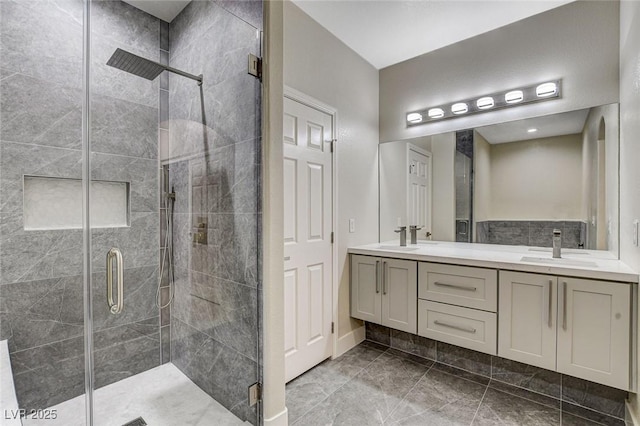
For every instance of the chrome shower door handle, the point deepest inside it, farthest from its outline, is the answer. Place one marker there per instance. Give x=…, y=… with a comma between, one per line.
x=115, y=307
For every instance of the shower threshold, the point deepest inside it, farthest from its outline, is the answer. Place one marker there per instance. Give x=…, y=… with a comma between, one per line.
x=163, y=396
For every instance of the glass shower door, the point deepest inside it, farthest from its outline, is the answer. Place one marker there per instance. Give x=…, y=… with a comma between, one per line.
x=175, y=163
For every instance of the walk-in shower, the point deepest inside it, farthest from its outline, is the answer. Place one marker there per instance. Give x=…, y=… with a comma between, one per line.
x=94, y=160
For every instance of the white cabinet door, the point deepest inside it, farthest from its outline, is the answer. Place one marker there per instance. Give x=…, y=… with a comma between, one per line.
x=366, y=291
x=400, y=294
x=593, y=330
x=527, y=318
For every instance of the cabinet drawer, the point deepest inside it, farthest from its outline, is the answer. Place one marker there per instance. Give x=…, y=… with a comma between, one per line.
x=469, y=328
x=459, y=285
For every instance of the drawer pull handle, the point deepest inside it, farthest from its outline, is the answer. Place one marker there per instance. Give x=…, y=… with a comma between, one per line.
x=385, y=278
x=457, y=327
x=564, y=305
x=459, y=287
x=377, y=276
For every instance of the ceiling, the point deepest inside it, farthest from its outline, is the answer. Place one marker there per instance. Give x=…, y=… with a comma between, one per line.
x=163, y=9
x=385, y=32
x=568, y=123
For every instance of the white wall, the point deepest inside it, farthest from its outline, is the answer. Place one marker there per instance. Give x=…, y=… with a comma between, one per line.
x=629, y=139
x=560, y=43
x=319, y=65
x=538, y=179
x=443, y=150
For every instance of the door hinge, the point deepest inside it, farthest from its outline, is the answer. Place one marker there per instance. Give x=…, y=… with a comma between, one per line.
x=255, y=393
x=332, y=238
x=255, y=66
x=333, y=327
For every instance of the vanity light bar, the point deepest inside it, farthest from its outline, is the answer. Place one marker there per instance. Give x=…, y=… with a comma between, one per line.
x=509, y=98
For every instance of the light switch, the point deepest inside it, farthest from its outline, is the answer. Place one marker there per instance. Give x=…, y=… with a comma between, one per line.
x=352, y=226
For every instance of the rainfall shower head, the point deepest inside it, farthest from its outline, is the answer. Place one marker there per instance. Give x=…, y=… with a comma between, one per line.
x=142, y=67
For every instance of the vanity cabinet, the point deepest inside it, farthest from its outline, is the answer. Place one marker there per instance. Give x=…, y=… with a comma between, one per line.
x=575, y=326
x=385, y=291
x=458, y=305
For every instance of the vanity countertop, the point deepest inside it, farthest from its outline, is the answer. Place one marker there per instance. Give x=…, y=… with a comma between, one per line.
x=595, y=264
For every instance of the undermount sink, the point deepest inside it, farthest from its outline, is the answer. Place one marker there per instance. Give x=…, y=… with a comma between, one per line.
x=564, y=251
x=401, y=248
x=553, y=261
x=426, y=242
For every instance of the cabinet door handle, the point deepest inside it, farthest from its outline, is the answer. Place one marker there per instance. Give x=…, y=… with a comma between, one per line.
x=564, y=305
x=459, y=287
x=384, y=279
x=377, y=276
x=550, y=295
x=456, y=327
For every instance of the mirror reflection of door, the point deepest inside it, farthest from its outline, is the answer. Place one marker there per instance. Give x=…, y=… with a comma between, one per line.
x=419, y=190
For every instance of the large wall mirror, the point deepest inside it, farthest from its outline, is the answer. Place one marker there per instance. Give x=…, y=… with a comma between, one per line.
x=510, y=183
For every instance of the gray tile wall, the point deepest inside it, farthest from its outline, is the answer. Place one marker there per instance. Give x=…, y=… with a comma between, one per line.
x=41, y=285
x=213, y=155
x=589, y=400
x=535, y=233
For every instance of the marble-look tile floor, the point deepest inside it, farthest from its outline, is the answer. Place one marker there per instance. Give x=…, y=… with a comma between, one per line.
x=162, y=396
x=376, y=385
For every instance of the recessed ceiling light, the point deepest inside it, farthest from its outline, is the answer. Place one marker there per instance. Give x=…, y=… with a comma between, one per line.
x=514, y=97
x=414, y=117
x=459, y=108
x=485, y=103
x=532, y=130
x=435, y=113
x=546, y=89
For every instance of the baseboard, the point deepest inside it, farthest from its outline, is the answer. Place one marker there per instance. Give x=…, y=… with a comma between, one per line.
x=629, y=417
x=280, y=419
x=349, y=341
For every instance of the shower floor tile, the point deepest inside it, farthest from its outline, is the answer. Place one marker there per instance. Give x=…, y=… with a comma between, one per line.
x=162, y=396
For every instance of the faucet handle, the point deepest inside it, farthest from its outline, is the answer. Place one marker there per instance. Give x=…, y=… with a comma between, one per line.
x=415, y=228
x=400, y=229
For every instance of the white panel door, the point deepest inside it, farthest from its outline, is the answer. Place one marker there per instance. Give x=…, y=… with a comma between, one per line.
x=419, y=189
x=307, y=237
x=593, y=330
x=527, y=323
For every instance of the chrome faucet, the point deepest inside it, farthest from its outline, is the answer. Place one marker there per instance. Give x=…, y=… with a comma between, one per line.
x=413, y=229
x=402, y=230
x=557, y=243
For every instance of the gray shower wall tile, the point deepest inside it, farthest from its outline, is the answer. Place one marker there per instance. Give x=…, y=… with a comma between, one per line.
x=227, y=42
x=37, y=255
x=127, y=357
x=536, y=233
x=123, y=128
x=55, y=382
x=39, y=112
x=249, y=11
x=141, y=173
x=115, y=83
x=138, y=242
x=224, y=310
x=190, y=24
x=38, y=357
x=140, y=299
x=164, y=36
x=17, y=160
x=42, y=312
x=122, y=23
x=53, y=53
x=219, y=370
